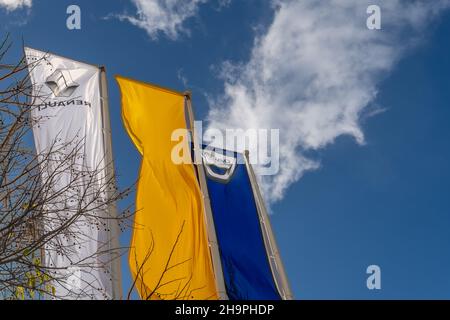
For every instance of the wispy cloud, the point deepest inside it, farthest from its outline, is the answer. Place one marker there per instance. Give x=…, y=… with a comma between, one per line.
x=182, y=77
x=11, y=5
x=162, y=17
x=314, y=73
x=223, y=4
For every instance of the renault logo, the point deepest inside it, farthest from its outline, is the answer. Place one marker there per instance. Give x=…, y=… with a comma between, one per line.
x=61, y=83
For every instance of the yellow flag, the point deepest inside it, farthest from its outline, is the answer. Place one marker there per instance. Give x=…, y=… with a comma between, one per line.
x=169, y=256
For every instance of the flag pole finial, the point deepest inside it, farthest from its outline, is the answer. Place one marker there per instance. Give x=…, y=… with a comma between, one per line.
x=188, y=94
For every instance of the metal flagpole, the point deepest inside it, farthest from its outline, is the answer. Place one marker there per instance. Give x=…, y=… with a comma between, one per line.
x=113, y=224
x=276, y=264
x=212, y=237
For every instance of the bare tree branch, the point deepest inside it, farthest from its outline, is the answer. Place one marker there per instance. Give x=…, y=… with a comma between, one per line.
x=40, y=216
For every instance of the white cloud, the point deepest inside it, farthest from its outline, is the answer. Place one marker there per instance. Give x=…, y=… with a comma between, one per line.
x=223, y=4
x=163, y=16
x=314, y=73
x=11, y=5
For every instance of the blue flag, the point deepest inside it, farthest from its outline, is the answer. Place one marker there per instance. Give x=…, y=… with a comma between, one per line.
x=245, y=263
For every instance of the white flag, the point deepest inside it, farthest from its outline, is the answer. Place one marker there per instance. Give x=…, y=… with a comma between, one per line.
x=67, y=125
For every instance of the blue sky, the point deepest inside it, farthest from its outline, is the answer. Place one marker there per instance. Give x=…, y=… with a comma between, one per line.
x=379, y=190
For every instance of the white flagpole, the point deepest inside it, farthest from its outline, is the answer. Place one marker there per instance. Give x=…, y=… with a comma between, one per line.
x=275, y=261
x=112, y=210
x=212, y=237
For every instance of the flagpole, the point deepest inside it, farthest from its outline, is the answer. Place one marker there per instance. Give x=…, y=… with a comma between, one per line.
x=212, y=237
x=275, y=261
x=113, y=224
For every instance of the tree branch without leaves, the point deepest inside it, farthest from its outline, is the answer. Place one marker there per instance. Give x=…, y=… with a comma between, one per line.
x=39, y=215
